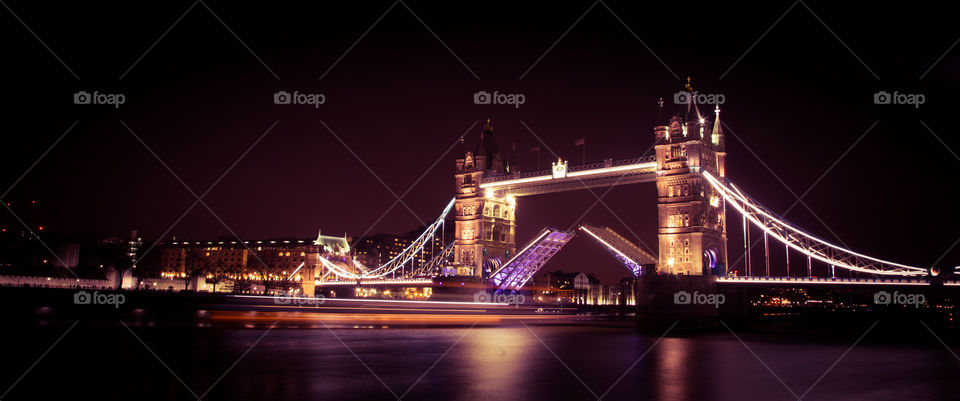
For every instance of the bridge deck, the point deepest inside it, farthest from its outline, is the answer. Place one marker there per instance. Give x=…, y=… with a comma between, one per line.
x=606, y=173
x=747, y=280
x=521, y=268
x=409, y=281
x=628, y=253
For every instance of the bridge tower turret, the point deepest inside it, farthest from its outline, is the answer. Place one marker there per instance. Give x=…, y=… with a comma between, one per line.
x=485, y=220
x=692, y=218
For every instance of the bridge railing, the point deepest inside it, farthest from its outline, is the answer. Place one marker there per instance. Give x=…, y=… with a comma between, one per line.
x=408, y=255
x=426, y=270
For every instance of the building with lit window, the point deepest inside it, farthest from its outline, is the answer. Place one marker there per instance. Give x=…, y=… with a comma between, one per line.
x=555, y=286
x=271, y=259
x=377, y=249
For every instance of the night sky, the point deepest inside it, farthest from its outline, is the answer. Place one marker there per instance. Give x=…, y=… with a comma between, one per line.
x=799, y=99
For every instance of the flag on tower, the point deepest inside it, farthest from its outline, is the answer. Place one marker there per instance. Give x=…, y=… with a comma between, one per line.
x=537, y=149
x=579, y=142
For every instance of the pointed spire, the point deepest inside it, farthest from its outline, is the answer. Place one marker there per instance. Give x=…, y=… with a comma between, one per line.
x=659, y=110
x=691, y=112
x=717, y=128
x=463, y=146
x=717, y=135
x=481, y=148
x=487, y=145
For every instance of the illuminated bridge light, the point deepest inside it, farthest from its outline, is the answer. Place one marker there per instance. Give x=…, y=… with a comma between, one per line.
x=640, y=165
x=620, y=249
x=807, y=244
x=825, y=281
x=517, y=271
x=409, y=254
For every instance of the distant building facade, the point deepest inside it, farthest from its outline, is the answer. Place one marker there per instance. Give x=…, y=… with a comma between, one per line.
x=250, y=259
x=377, y=249
x=130, y=244
x=555, y=286
x=278, y=258
x=590, y=291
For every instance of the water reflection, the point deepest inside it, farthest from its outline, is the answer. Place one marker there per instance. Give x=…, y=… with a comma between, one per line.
x=340, y=362
x=672, y=358
x=500, y=361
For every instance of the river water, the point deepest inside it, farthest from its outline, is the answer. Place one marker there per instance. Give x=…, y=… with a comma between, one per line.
x=515, y=361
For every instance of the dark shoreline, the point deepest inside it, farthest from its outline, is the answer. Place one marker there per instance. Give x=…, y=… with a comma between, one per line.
x=43, y=307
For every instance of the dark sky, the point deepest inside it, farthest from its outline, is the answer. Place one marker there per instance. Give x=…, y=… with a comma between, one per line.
x=199, y=98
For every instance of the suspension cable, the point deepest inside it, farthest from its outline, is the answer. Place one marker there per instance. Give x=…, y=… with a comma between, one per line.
x=788, y=234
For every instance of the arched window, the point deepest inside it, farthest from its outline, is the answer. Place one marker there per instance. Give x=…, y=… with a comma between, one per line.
x=496, y=211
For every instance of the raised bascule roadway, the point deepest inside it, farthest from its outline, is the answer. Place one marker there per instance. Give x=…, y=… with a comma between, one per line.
x=694, y=196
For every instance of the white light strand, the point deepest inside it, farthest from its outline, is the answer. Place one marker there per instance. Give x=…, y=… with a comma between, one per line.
x=609, y=246
x=410, y=252
x=739, y=198
x=337, y=270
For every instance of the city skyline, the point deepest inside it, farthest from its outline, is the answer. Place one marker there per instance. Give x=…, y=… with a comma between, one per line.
x=409, y=200
x=797, y=124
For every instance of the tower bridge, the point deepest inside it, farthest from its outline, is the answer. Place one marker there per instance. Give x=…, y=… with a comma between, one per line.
x=694, y=194
x=692, y=234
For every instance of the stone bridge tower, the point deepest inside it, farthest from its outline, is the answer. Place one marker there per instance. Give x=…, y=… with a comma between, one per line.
x=692, y=218
x=485, y=220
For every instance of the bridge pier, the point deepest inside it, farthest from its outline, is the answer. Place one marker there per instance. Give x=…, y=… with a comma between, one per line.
x=687, y=301
x=309, y=273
